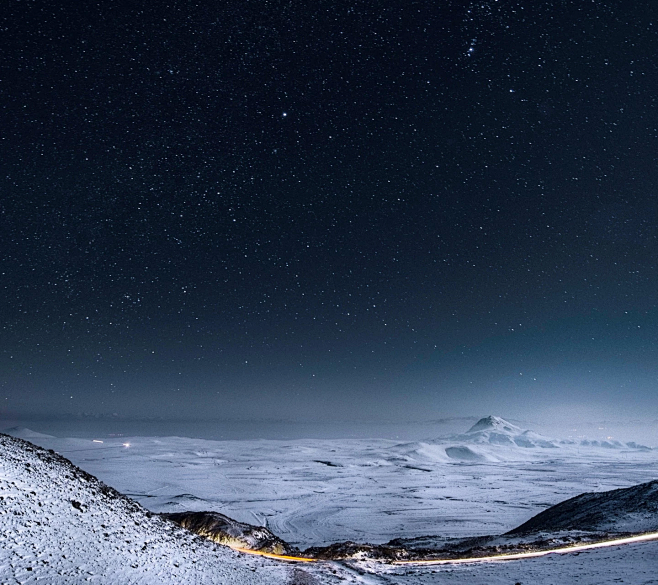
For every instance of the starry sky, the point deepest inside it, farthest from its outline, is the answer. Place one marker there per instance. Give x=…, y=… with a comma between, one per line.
x=349, y=210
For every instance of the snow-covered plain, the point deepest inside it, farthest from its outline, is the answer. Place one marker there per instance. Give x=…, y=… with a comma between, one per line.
x=313, y=492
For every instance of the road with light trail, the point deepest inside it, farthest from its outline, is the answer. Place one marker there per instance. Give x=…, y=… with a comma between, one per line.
x=489, y=559
x=539, y=553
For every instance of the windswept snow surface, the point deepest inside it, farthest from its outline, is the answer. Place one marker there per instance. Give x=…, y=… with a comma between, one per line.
x=317, y=492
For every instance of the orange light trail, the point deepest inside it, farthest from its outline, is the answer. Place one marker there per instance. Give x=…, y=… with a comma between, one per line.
x=494, y=558
x=541, y=553
x=275, y=556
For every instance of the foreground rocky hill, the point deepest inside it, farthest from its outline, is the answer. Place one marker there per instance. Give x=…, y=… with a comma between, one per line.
x=60, y=525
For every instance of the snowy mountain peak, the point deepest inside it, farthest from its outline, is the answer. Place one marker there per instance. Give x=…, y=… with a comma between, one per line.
x=493, y=430
x=494, y=423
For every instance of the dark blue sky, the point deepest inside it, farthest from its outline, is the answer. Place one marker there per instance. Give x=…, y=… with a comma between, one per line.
x=336, y=210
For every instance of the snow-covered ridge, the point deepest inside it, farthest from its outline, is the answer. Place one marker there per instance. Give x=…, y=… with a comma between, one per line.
x=61, y=525
x=633, y=509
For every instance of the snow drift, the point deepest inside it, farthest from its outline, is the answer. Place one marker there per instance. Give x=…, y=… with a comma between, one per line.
x=464, y=453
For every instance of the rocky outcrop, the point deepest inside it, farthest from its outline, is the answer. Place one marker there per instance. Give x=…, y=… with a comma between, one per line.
x=225, y=530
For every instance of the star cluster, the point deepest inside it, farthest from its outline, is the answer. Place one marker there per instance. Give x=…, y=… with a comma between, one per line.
x=269, y=209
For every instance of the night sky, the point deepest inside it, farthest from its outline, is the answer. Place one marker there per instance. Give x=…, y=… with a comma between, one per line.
x=338, y=210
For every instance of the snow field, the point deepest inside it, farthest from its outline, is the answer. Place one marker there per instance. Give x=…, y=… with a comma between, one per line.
x=309, y=492
x=321, y=491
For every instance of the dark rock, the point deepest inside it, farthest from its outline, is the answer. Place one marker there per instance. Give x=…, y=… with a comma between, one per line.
x=225, y=530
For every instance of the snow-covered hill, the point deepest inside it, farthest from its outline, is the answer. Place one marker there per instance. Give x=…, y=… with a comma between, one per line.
x=494, y=423
x=493, y=430
x=633, y=509
x=60, y=525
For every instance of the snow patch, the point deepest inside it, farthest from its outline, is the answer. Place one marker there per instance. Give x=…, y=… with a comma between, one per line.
x=463, y=453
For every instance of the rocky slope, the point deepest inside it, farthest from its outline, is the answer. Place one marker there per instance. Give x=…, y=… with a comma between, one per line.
x=633, y=509
x=224, y=530
x=60, y=525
